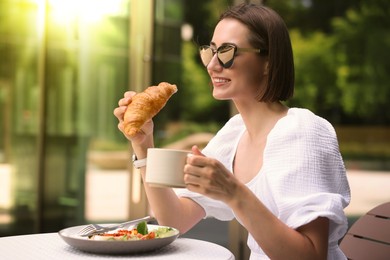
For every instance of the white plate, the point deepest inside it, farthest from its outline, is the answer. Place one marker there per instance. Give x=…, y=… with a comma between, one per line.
x=69, y=235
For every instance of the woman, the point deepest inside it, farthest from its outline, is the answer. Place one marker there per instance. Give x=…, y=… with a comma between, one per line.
x=278, y=170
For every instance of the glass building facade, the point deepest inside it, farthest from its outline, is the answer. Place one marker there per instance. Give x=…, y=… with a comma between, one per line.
x=64, y=65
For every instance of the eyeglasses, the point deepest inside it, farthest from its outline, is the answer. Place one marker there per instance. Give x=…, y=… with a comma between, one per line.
x=225, y=53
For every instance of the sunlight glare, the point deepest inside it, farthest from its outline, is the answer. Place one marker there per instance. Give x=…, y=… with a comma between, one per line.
x=90, y=11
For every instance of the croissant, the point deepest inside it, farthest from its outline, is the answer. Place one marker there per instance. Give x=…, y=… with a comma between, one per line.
x=145, y=105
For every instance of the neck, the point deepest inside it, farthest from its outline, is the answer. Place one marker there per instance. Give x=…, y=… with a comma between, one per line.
x=261, y=117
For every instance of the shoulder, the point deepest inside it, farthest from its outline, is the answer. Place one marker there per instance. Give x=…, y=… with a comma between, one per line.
x=301, y=122
x=302, y=132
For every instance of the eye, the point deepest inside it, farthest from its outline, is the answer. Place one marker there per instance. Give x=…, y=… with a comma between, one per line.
x=206, y=54
x=226, y=54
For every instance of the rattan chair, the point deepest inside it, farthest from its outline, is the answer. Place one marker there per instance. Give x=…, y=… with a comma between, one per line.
x=369, y=237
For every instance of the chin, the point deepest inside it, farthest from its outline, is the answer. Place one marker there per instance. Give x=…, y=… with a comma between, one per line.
x=217, y=97
x=220, y=97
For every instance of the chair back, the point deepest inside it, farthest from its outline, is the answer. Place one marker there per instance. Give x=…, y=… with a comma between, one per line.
x=369, y=236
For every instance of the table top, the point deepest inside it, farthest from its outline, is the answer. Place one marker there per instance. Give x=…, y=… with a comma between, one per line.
x=51, y=246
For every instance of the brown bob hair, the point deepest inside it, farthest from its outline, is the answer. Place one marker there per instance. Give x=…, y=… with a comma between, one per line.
x=269, y=32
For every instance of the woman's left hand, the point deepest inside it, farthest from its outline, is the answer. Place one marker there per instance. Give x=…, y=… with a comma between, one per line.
x=209, y=177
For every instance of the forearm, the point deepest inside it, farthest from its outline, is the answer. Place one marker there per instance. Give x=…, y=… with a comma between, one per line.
x=170, y=210
x=275, y=238
x=167, y=207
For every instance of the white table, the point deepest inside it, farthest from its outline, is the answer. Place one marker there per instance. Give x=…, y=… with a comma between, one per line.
x=50, y=246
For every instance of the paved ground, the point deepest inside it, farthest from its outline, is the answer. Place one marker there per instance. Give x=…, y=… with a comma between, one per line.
x=107, y=195
x=368, y=189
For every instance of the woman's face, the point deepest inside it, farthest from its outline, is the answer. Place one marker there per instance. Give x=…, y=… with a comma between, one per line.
x=248, y=72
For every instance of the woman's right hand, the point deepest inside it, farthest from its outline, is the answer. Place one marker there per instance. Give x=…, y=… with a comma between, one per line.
x=146, y=130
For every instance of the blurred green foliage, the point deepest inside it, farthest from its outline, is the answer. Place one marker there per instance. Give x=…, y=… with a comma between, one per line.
x=341, y=52
x=315, y=74
x=363, y=38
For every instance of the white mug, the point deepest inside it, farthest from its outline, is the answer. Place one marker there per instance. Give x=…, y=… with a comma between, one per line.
x=165, y=167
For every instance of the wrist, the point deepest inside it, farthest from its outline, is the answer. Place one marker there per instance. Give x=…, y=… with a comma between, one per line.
x=140, y=153
x=141, y=150
x=138, y=163
x=239, y=197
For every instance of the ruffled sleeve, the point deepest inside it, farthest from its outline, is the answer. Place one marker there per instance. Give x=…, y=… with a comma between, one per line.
x=305, y=172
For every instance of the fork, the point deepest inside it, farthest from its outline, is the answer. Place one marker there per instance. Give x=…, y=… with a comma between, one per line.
x=94, y=229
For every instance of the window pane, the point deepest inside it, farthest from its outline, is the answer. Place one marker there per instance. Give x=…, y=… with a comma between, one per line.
x=19, y=112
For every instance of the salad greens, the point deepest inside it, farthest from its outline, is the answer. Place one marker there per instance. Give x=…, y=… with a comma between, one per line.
x=142, y=228
x=164, y=232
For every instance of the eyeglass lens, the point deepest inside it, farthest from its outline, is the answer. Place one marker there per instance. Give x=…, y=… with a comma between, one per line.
x=225, y=55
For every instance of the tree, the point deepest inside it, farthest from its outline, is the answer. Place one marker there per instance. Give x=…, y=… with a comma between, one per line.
x=342, y=57
x=316, y=77
x=363, y=51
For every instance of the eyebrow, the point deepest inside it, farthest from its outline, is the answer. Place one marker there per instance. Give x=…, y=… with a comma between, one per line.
x=224, y=43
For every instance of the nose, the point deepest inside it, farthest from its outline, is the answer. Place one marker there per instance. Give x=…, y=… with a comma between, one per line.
x=214, y=64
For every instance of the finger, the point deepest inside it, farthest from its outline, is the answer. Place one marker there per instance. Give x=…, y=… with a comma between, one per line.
x=125, y=101
x=195, y=150
x=192, y=187
x=191, y=179
x=196, y=158
x=119, y=112
x=203, y=186
x=198, y=161
x=191, y=170
x=120, y=126
x=129, y=94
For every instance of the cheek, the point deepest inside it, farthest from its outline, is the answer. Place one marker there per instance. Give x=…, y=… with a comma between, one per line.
x=253, y=76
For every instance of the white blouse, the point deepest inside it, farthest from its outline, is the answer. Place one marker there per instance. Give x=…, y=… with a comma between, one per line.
x=302, y=178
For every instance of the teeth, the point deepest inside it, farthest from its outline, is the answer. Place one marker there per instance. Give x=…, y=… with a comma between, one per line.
x=219, y=80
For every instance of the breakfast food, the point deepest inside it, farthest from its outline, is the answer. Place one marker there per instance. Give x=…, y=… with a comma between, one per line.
x=141, y=232
x=124, y=235
x=145, y=105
